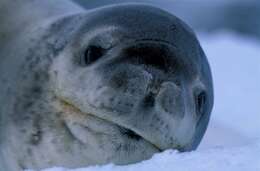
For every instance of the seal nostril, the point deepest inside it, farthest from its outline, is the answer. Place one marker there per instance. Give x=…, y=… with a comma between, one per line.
x=200, y=104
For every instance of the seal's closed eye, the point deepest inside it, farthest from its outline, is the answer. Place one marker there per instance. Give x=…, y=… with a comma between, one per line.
x=91, y=54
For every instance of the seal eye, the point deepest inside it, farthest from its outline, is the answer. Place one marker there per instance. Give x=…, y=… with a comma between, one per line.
x=200, y=104
x=91, y=54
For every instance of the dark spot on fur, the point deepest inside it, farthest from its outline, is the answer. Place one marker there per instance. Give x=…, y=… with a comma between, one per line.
x=132, y=91
x=37, y=89
x=99, y=87
x=118, y=147
x=111, y=99
x=36, y=135
x=28, y=105
x=173, y=27
x=36, y=76
x=59, y=114
x=149, y=100
x=120, y=82
x=23, y=130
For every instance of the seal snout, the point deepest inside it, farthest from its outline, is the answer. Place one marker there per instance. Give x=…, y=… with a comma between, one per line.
x=165, y=99
x=170, y=100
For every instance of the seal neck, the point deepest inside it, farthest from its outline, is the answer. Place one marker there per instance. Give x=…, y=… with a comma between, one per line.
x=15, y=15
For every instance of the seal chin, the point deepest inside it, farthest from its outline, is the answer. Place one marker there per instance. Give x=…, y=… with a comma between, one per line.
x=84, y=125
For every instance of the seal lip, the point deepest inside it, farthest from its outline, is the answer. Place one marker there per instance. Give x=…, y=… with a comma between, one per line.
x=66, y=104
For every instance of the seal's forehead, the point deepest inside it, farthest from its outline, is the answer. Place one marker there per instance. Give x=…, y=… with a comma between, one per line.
x=115, y=25
x=141, y=21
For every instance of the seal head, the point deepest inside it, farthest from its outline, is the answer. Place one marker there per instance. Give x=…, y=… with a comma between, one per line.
x=140, y=70
x=123, y=83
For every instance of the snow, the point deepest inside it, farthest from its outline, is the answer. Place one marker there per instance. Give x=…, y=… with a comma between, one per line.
x=235, y=64
x=232, y=141
x=238, y=159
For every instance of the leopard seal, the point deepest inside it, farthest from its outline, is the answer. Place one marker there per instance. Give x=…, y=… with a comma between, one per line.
x=111, y=85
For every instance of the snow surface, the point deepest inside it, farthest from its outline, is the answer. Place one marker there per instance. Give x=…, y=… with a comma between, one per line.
x=235, y=64
x=232, y=141
x=237, y=159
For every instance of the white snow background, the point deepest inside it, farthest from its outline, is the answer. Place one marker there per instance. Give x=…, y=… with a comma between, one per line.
x=232, y=141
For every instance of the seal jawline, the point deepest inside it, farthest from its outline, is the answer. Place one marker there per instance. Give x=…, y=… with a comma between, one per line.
x=69, y=110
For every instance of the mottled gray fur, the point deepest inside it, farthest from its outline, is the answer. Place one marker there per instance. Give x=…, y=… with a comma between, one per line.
x=114, y=84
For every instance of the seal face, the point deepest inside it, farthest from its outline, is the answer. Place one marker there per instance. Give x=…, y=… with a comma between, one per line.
x=121, y=83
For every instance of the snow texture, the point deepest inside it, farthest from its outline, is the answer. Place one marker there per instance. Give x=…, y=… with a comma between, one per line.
x=237, y=159
x=232, y=141
x=235, y=64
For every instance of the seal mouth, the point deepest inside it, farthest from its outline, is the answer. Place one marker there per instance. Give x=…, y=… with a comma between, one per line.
x=69, y=108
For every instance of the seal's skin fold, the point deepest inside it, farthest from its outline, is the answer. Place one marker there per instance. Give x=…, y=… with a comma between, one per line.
x=113, y=84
